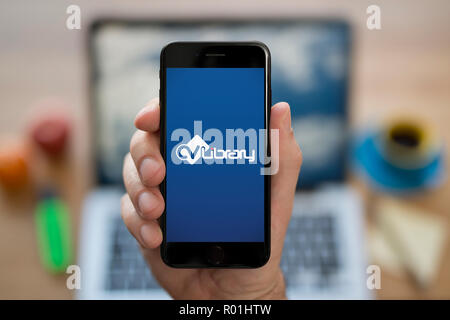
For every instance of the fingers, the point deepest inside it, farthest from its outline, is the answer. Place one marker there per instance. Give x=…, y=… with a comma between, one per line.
x=289, y=156
x=143, y=171
x=145, y=151
x=285, y=180
x=147, y=201
x=147, y=233
x=148, y=118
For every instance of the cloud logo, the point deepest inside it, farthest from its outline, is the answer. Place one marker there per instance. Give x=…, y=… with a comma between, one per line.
x=192, y=151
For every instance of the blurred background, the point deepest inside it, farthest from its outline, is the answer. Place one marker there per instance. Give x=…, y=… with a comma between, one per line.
x=371, y=112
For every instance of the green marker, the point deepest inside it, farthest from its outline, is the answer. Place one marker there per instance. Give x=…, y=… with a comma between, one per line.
x=54, y=234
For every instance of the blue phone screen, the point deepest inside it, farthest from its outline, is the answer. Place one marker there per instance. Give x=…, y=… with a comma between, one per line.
x=214, y=184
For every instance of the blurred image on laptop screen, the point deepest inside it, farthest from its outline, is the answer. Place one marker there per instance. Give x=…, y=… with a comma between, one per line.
x=309, y=70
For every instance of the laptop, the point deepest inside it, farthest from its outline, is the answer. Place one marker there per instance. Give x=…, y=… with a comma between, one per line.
x=323, y=256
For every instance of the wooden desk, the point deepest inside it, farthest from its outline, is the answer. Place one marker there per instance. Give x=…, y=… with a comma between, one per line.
x=404, y=67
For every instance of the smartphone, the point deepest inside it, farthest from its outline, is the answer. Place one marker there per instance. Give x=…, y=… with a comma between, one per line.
x=215, y=99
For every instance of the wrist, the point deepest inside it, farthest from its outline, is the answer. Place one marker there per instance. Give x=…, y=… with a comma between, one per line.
x=278, y=291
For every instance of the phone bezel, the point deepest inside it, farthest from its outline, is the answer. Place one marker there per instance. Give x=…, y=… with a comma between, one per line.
x=204, y=55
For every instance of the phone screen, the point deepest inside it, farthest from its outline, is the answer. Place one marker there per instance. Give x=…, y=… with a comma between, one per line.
x=214, y=126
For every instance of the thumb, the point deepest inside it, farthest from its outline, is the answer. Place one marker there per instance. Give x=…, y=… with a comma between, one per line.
x=284, y=181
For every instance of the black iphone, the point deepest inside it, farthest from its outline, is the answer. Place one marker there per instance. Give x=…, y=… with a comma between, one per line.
x=215, y=99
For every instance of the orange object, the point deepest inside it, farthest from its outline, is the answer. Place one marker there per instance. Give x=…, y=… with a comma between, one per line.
x=14, y=173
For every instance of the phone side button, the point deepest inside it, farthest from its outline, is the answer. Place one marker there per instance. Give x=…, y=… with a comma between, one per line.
x=215, y=255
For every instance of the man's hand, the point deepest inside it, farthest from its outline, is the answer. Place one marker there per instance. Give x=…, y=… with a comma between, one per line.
x=143, y=204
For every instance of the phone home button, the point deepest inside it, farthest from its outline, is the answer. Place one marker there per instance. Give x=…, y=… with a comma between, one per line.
x=215, y=255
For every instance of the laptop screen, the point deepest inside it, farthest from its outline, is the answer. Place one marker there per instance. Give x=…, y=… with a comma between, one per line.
x=310, y=70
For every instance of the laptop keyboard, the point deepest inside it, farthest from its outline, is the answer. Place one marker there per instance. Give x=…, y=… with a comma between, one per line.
x=127, y=268
x=310, y=256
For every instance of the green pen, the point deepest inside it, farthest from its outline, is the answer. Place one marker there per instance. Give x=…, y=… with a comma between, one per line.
x=53, y=233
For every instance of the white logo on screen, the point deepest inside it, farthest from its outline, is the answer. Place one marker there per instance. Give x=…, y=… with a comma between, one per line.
x=197, y=148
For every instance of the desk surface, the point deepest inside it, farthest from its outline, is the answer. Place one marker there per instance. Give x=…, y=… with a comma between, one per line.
x=404, y=67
